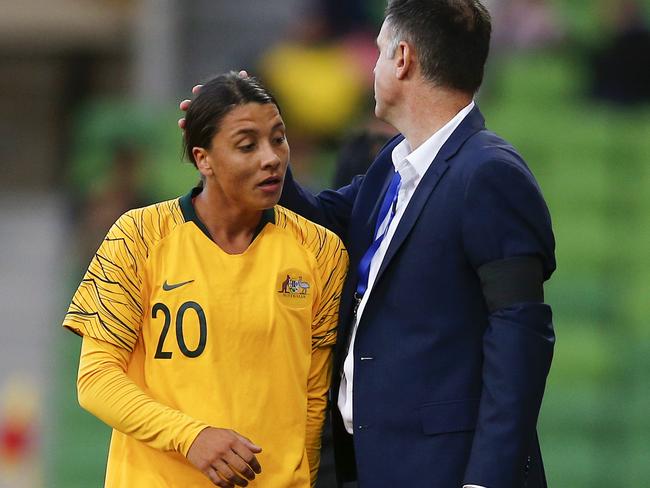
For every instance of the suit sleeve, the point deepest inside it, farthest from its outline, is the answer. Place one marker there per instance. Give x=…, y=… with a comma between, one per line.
x=505, y=216
x=330, y=208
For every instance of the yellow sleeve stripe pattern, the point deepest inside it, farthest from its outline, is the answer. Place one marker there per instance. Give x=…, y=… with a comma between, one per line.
x=108, y=304
x=332, y=263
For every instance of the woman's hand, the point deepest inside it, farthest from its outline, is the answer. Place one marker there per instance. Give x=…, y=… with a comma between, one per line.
x=225, y=457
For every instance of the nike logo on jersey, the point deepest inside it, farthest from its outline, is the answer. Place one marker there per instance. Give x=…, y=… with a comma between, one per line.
x=167, y=287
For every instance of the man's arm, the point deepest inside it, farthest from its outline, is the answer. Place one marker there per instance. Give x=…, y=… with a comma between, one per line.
x=508, y=239
x=330, y=208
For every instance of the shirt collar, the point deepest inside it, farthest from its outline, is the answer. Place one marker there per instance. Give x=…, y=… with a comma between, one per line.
x=413, y=164
x=189, y=213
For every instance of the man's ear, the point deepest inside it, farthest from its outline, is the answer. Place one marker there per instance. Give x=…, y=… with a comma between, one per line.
x=404, y=60
x=202, y=161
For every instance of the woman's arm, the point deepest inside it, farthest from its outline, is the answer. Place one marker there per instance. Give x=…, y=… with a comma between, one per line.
x=318, y=386
x=332, y=265
x=107, y=392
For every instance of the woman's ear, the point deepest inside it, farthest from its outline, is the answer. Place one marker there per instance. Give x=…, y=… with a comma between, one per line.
x=202, y=160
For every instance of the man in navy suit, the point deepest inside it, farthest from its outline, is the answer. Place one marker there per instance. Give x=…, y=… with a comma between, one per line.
x=444, y=341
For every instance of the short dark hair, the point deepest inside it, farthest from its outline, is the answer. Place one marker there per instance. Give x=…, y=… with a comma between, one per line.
x=451, y=38
x=215, y=100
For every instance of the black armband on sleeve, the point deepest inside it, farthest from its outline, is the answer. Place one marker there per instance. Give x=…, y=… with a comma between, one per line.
x=510, y=281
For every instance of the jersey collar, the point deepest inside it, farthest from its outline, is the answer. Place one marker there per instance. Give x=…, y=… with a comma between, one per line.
x=189, y=214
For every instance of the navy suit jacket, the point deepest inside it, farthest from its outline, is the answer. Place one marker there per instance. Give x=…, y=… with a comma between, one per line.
x=448, y=392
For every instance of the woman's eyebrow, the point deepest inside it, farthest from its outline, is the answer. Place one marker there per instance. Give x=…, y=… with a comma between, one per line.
x=245, y=131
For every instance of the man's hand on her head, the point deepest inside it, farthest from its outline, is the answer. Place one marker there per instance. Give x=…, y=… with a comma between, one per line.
x=185, y=104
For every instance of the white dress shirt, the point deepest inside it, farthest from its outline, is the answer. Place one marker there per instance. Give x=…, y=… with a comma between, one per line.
x=411, y=165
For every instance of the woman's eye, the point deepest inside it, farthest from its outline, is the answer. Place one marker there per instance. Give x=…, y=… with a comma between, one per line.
x=247, y=147
x=280, y=139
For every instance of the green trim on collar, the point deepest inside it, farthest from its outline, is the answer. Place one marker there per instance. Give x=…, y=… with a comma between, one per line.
x=268, y=217
x=189, y=214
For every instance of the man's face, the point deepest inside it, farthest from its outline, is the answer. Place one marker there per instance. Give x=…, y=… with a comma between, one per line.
x=384, y=73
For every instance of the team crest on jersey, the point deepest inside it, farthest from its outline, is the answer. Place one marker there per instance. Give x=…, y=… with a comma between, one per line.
x=294, y=288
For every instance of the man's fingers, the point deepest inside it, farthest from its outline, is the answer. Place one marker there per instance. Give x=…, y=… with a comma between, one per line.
x=196, y=89
x=184, y=105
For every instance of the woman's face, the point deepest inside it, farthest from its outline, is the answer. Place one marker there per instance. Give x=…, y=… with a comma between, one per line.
x=248, y=157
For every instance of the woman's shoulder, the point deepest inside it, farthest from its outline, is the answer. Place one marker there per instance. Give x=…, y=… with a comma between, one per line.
x=288, y=219
x=151, y=222
x=311, y=236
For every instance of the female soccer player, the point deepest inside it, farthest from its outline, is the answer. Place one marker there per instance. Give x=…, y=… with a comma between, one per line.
x=209, y=319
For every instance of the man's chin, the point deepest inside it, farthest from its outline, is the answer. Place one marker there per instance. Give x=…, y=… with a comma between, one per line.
x=380, y=114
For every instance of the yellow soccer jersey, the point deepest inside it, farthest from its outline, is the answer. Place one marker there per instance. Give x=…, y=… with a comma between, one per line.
x=226, y=339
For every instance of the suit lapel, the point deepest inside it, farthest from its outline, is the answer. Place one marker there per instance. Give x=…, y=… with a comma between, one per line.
x=369, y=226
x=413, y=210
x=363, y=230
x=469, y=126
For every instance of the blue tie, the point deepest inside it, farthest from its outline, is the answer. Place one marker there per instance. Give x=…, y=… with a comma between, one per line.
x=387, y=205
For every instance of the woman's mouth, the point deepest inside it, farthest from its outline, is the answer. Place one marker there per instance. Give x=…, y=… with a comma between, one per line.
x=271, y=184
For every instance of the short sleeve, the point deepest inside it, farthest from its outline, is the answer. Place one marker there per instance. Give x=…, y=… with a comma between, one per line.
x=505, y=216
x=108, y=303
x=332, y=261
